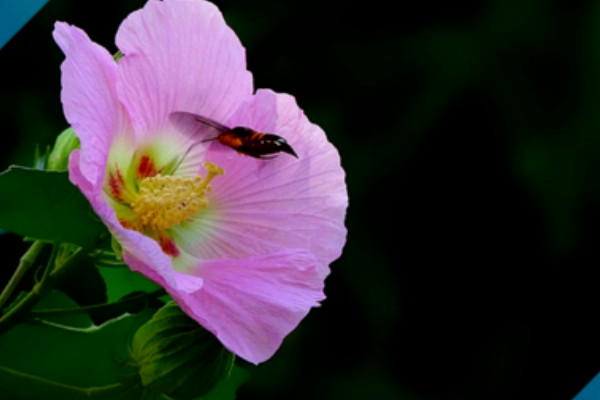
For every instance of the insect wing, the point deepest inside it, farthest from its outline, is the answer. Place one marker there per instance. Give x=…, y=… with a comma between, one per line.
x=196, y=126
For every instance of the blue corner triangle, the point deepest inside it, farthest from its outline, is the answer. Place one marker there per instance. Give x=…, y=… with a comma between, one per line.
x=591, y=391
x=14, y=14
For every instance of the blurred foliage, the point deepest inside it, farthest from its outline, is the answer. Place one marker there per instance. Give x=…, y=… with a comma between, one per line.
x=469, y=132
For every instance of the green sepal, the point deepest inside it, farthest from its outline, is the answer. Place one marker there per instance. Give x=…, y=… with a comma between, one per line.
x=177, y=357
x=66, y=142
x=40, y=159
x=116, y=248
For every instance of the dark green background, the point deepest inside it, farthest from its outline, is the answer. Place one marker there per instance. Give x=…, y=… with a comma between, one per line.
x=470, y=134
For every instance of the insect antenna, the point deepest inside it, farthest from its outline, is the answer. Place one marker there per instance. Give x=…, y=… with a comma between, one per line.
x=184, y=156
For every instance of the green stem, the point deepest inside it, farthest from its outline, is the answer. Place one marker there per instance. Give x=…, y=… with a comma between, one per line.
x=104, y=307
x=51, y=262
x=88, y=392
x=45, y=284
x=26, y=261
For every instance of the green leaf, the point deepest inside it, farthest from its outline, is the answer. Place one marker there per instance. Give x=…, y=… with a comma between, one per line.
x=87, y=287
x=48, y=360
x=226, y=389
x=44, y=205
x=122, y=281
x=85, y=284
x=57, y=300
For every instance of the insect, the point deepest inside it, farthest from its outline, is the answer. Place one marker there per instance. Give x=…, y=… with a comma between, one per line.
x=240, y=138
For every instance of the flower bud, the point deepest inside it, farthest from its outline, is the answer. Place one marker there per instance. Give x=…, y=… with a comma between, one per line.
x=177, y=357
x=67, y=141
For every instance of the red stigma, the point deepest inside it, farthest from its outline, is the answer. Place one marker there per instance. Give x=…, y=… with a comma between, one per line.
x=168, y=246
x=116, y=183
x=146, y=168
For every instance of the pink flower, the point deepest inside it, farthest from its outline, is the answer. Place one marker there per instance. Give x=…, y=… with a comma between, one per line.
x=242, y=244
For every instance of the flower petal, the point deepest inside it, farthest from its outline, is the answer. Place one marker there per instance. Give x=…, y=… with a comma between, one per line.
x=180, y=56
x=252, y=304
x=89, y=97
x=262, y=206
x=140, y=252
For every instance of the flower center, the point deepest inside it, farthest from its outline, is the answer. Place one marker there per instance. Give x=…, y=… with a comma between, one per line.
x=166, y=201
x=152, y=203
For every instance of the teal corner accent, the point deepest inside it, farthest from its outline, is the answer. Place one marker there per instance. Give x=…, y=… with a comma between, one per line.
x=591, y=391
x=14, y=14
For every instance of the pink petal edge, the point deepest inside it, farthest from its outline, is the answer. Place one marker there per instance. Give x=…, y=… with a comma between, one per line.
x=180, y=56
x=89, y=97
x=251, y=304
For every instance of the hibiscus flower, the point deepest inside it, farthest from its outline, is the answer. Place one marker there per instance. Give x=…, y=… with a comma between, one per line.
x=242, y=244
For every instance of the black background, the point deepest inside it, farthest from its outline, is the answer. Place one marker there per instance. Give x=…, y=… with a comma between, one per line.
x=470, y=135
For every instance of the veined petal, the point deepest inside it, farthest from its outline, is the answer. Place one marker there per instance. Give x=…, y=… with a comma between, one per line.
x=89, y=98
x=180, y=56
x=266, y=205
x=252, y=304
x=242, y=244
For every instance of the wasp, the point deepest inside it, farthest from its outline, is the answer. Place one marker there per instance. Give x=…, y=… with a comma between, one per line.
x=242, y=139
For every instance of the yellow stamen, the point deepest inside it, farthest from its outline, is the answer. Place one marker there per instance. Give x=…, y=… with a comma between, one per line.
x=165, y=201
